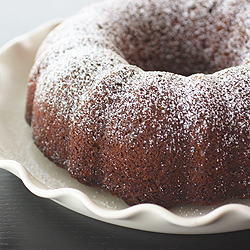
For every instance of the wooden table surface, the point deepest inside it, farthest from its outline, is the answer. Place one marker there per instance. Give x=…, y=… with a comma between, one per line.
x=30, y=222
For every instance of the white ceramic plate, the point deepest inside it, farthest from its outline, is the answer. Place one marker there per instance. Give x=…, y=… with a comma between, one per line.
x=20, y=157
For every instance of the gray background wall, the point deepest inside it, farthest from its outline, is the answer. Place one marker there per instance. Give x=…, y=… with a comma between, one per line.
x=20, y=16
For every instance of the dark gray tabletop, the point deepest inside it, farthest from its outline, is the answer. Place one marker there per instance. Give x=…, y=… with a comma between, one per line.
x=30, y=222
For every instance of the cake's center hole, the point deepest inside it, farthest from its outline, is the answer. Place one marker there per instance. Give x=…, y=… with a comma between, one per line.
x=175, y=45
x=182, y=58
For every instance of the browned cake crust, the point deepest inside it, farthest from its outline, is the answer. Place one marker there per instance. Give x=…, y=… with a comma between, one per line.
x=140, y=132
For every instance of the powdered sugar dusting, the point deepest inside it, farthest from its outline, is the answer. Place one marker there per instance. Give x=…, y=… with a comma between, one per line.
x=175, y=131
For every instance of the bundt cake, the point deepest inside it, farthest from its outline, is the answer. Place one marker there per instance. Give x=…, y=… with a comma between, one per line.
x=148, y=99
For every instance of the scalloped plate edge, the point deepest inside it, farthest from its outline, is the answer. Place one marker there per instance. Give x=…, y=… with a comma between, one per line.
x=148, y=217
x=66, y=195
